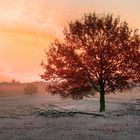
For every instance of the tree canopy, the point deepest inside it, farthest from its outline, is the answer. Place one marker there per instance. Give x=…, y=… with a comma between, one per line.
x=99, y=53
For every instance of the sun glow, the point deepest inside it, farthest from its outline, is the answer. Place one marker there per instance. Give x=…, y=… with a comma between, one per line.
x=28, y=26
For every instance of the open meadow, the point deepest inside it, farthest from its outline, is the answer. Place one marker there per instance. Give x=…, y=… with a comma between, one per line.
x=120, y=122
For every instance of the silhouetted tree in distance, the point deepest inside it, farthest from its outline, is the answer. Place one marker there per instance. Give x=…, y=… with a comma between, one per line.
x=30, y=89
x=99, y=53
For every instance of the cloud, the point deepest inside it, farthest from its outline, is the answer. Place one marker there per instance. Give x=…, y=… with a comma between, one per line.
x=26, y=28
x=31, y=16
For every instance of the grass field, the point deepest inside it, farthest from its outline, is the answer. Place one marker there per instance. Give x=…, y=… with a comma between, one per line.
x=121, y=121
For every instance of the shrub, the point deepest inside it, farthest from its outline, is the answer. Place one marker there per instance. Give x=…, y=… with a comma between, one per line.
x=30, y=89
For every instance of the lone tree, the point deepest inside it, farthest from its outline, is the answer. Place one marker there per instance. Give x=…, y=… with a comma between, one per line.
x=99, y=53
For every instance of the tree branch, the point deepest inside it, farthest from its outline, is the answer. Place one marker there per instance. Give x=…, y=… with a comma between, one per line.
x=55, y=111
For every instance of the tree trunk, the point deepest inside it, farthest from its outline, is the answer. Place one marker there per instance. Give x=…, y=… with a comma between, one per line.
x=102, y=98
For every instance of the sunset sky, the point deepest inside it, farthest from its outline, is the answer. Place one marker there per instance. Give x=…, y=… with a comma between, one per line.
x=28, y=26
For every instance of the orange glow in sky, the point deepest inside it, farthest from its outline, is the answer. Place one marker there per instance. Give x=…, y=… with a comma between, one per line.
x=28, y=26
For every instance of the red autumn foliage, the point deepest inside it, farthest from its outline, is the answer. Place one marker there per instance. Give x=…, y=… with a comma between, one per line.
x=99, y=54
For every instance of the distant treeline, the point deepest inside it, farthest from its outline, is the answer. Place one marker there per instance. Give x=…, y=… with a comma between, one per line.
x=17, y=88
